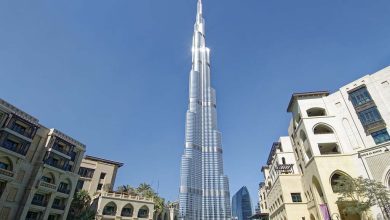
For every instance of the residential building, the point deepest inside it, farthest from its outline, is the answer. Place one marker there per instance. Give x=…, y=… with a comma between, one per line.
x=97, y=175
x=331, y=135
x=38, y=167
x=98, y=178
x=241, y=205
x=204, y=189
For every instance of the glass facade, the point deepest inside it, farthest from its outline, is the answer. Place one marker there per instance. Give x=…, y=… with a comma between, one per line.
x=204, y=189
x=241, y=205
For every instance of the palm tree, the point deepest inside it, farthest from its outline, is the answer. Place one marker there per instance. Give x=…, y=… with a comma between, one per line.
x=80, y=207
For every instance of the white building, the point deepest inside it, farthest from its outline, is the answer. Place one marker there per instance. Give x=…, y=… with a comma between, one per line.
x=344, y=133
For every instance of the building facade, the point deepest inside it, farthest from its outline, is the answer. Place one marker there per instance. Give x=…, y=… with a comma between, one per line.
x=38, y=167
x=331, y=135
x=204, y=189
x=97, y=177
x=241, y=205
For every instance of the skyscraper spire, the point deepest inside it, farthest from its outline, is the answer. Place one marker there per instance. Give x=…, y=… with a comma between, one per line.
x=204, y=189
x=199, y=12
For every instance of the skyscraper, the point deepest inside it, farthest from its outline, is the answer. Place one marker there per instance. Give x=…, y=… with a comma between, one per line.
x=204, y=189
x=241, y=205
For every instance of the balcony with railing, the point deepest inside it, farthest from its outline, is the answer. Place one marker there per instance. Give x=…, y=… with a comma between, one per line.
x=124, y=196
x=56, y=161
x=14, y=144
x=39, y=202
x=21, y=126
x=48, y=186
x=58, y=206
x=5, y=172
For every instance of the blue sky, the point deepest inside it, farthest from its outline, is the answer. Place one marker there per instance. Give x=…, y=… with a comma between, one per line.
x=114, y=74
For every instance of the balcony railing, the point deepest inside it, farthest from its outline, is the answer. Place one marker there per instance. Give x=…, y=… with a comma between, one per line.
x=17, y=148
x=25, y=131
x=126, y=196
x=57, y=165
x=47, y=185
x=6, y=172
x=61, y=150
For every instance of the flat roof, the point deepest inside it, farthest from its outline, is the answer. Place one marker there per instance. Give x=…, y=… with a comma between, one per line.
x=119, y=164
x=294, y=96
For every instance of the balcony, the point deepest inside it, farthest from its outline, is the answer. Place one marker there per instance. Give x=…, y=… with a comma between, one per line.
x=48, y=186
x=64, y=191
x=19, y=148
x=58, y=206
x=37, y=202
x=285, y=169
x=6, y=173
x=123, y=196
x=20, y=127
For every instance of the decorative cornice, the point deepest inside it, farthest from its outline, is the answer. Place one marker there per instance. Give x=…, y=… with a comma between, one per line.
x=298, y=95
x=66, y=138
x=19, y=113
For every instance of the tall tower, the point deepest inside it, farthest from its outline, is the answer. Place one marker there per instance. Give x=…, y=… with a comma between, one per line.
x=204, y=189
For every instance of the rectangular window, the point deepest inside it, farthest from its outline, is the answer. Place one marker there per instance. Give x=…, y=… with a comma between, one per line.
x=102, y=175
x=369, y=116
x=99, y=186
x=296, y=197
x=32, y=215
x=10, y=144
x=79, y=185
x=360, y=97
x=86, y=172
x=381, y=136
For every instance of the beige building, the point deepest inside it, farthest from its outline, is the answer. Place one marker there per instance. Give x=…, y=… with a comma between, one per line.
x=38, y=167
x=98, y=178
x=331, y=135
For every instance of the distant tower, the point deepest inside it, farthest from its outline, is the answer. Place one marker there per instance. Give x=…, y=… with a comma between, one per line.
x=204, y=189
x=241, y=205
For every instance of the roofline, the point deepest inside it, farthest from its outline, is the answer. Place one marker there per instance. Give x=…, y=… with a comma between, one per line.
x=88, y=157
x=294, y=96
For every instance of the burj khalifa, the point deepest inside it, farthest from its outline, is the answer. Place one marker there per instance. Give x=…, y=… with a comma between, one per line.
x=204, y=189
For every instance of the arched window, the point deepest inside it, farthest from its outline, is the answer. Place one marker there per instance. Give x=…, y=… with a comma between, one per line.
x=315, y=112
x=127, y=211
x=48, y=178
x=143, y=212
x=322, y=129
x=283, y=160
x=166, y=216
x=109, y=209
x=339, y=180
